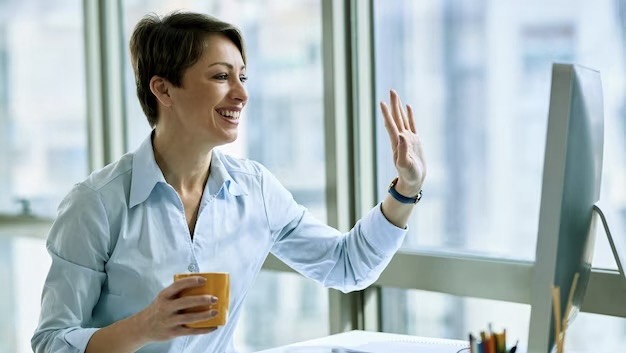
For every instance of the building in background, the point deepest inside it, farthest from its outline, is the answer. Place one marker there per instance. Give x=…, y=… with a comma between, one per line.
x=476, y=72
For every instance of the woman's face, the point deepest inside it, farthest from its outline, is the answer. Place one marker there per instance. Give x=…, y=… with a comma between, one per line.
x=212, y=93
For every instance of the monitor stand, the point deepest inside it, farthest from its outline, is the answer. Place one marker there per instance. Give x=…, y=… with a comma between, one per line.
x=617, y=246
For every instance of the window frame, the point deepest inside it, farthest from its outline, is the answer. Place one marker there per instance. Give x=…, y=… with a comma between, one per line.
x=350, y=113
x=606, y=291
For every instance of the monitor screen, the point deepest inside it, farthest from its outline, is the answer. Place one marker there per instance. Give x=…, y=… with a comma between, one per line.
x=571, y=186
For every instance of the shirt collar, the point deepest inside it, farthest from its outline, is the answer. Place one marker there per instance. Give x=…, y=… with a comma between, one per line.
x=220, y=177
x=146, y=174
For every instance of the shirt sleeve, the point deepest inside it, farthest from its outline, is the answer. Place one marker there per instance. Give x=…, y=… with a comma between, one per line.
x=347, y=262
x=78, y=243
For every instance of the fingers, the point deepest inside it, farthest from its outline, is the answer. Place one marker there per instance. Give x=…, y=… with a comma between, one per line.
x=190, y=318
x=396, y=107
x=411, y=118
x=165, y=318
x=403, y=152
x=403, y=114
x=390, y=124
x=398, y=117
x=193, y=301
x=189, y=331
x=175, y=288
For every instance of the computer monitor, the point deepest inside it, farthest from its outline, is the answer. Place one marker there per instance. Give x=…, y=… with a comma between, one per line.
x=571, y=186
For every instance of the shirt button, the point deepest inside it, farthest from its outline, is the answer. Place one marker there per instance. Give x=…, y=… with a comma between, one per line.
x=192, y=268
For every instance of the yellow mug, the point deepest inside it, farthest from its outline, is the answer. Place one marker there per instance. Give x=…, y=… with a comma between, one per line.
x=218, y=285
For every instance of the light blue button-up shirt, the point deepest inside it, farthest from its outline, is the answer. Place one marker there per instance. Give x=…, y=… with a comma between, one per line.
x=121, y=235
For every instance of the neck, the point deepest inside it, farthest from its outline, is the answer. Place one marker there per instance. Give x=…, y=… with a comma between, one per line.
x=184, y=162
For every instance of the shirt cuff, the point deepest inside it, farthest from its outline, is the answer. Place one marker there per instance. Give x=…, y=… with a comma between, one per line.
x=79, y=338
x=382, y=234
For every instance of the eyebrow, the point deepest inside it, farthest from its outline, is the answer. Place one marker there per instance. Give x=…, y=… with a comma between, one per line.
x=227, y=65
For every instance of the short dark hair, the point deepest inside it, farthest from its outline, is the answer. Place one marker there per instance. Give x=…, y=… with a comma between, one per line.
x=167, y=46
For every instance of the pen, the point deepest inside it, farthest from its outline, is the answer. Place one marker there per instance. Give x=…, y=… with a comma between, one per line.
x=471, y=344
x=491, y=339
x=514, y=347
x=500, y=342
x=495, y=343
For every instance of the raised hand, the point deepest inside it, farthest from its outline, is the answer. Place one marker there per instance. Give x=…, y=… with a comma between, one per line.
x=408, y=156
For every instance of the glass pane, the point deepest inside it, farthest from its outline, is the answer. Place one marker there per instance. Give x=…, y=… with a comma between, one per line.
x=431, y=314
x=282, y=308
x=478, y=75
x=42, y=104
x=42, y=128
x=281, y=127
x=24, y=264
x=596, y=333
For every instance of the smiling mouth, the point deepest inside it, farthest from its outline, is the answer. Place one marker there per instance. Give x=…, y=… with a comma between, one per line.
x=231, y=115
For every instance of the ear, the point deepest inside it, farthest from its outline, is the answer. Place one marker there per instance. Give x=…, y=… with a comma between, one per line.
x=160, y=88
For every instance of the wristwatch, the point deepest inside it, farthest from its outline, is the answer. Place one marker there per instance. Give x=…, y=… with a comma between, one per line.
x=401, y=198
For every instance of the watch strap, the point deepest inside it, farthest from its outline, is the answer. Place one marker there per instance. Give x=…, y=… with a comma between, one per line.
x=401, y=198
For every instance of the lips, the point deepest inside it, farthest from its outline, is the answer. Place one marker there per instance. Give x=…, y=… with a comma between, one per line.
x=227, y=113
x=231, y=116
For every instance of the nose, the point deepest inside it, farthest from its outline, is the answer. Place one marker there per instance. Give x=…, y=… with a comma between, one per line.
x=238, y=91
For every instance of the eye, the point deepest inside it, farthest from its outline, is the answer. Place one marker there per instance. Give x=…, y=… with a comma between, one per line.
x=243, y=79
x=221, y=77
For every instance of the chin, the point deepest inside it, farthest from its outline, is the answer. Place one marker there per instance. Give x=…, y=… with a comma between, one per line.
x=224, y=140
x=232, y=138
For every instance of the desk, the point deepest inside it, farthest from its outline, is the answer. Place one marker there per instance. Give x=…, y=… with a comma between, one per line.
x=375, y=342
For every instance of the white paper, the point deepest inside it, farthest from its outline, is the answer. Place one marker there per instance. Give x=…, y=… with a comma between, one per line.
x=411, y=347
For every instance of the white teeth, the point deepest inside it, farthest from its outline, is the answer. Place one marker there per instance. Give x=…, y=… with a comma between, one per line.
x=229, y=113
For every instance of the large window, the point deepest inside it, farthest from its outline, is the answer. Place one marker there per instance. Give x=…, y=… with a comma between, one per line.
x=43, y=146
x=42, y=104
x=478, y=75
x=282, y=127
x=431, y=314
x=476, y=72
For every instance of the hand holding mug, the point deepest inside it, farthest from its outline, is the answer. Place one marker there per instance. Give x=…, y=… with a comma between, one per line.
x=168, y=317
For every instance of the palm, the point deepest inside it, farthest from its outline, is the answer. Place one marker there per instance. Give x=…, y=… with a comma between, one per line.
x=408, y=156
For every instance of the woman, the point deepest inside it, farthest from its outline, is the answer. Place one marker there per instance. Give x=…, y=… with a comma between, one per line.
x=177, y=204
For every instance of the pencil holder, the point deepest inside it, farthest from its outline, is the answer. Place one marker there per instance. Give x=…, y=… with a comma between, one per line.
x=561, y=320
